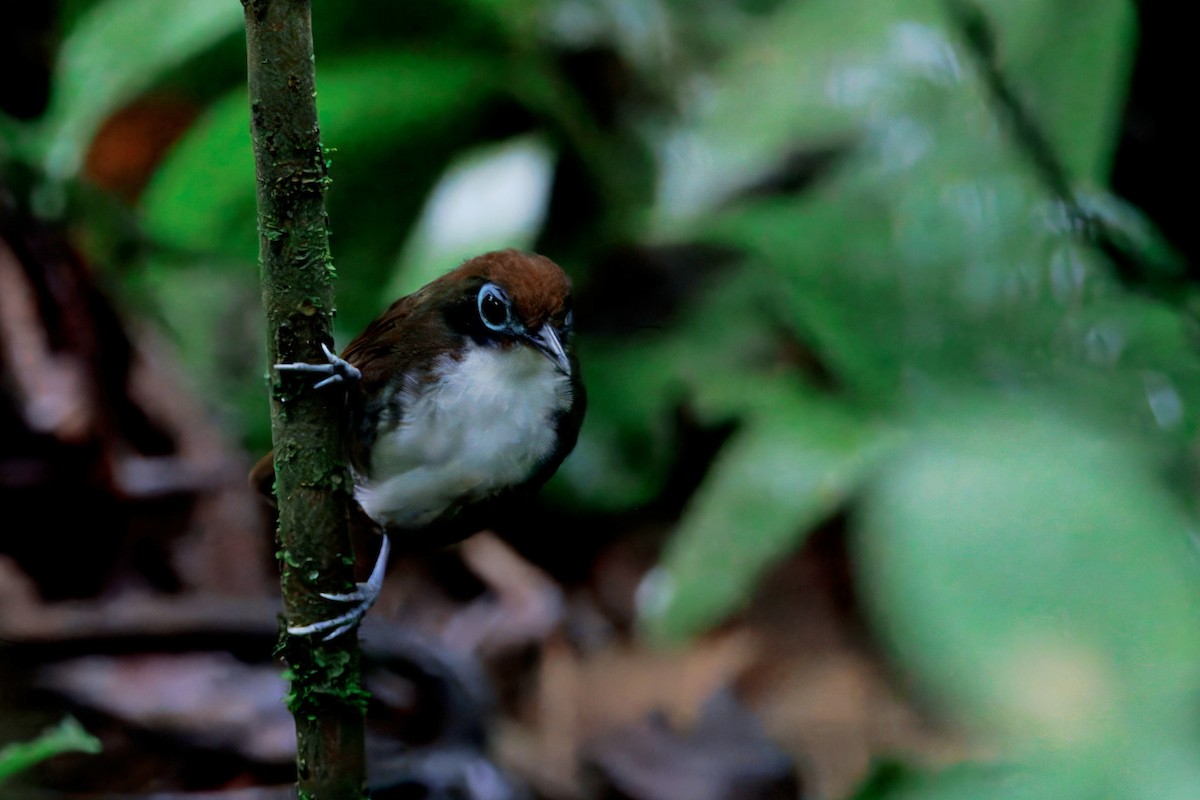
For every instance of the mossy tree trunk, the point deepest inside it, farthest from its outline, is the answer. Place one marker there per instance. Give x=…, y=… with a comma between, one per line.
x=312, y=484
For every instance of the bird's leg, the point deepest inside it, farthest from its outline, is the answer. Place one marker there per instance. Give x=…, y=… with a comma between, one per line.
x=338, y=370
x=363, y=597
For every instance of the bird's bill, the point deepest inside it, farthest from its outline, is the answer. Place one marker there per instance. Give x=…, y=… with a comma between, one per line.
x=546, y=340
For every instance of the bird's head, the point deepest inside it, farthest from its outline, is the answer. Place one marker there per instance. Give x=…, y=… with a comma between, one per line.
x=512, y=299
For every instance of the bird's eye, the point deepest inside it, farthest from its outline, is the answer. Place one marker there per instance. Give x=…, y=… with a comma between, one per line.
x=493, y=307
x=568, y=314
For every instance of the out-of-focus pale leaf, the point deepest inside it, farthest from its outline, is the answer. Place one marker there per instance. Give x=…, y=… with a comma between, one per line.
x=791, y=464
x=925, y=253
x=489, y=198
x=936, y=254
x=117, y=50
x=825, y=70
x=641, y=30
x=1034, y=575
x=1138, y=355
x=813, y=72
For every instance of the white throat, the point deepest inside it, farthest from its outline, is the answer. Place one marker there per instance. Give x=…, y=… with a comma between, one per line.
x=483, y=425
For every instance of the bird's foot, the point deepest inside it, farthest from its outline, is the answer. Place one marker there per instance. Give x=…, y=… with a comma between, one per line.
x=363, y=597
x=338, y=625
x=338, y=370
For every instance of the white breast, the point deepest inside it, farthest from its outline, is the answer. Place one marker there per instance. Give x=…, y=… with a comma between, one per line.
x=481, y=427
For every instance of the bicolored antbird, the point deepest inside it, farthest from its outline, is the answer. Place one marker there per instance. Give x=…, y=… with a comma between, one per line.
x=461, y=398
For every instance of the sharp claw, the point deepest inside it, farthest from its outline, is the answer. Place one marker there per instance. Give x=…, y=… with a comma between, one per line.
x=338, y=632
x=327, y=381
x=341, y=624
x=349, y=597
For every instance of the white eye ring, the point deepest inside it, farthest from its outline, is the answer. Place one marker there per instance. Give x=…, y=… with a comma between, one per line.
x=492, y=304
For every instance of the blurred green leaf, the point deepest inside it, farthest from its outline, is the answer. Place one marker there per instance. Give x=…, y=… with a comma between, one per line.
x=790, y=465
x=1165, y=770
x=713, y=360
x=1034, y=575
x=824, y=71
x=202, y=198
x=116, y=51
x=66, y=737
x=832, y=264
x=1069, y=62
x=936, y=254
x=808, y=74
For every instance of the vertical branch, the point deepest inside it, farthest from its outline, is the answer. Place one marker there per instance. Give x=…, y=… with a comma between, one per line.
x=311, y=480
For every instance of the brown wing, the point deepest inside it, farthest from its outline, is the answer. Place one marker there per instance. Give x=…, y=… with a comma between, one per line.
x=399, y=347
x=262, y=476
x=411, y=332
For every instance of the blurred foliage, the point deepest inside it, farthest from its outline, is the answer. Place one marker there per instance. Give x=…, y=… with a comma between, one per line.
x=66, y=737
x=937, y=315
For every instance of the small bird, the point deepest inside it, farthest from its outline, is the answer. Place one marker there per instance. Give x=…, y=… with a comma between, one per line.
x=460, y=398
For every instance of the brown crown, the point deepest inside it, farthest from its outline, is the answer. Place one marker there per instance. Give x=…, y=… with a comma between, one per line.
x=537, y=287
